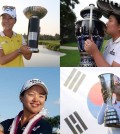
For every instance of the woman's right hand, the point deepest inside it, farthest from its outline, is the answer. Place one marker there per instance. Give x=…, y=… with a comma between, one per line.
x=90, y=47
x=25, y=49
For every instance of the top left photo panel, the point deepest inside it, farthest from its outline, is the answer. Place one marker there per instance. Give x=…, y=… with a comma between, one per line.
x=29, y=33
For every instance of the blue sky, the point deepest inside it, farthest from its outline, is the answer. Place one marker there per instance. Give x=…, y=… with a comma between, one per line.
x=11, y=82
x=50, y=24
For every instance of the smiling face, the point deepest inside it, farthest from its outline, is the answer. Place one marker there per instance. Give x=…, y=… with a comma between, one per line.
x=7, y=22
x=113, y=27
x=33, y=99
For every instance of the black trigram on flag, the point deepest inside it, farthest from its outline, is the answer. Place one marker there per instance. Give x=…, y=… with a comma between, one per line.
x=75, y=123
x=74, y=80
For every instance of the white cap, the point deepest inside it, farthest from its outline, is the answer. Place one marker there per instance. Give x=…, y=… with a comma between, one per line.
x=10, y=11
x=33, y=82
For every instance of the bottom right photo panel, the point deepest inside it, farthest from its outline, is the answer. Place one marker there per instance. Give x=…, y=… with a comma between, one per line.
x=90, y=100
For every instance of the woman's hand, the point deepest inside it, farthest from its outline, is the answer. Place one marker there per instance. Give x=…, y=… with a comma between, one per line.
x=90, y=47
x=25, y=49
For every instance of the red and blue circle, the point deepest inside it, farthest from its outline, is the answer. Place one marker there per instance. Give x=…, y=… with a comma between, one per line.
x=94, y=99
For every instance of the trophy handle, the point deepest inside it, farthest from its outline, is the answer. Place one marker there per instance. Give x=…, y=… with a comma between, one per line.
x=90, y=23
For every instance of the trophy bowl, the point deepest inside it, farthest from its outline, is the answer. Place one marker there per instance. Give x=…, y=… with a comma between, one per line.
x=34, y=14
x=38, y=11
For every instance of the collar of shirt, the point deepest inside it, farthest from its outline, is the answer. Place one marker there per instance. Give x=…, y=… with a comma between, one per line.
x=116, y=41
x=2, y=34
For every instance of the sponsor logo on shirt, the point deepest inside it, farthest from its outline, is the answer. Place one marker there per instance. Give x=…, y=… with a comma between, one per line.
x=112, y=52
x=35, y=128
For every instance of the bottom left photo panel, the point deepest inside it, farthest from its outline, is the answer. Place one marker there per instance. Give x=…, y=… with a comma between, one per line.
x=30, y=100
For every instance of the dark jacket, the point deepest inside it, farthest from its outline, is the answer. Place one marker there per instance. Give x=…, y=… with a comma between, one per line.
x=42, y=127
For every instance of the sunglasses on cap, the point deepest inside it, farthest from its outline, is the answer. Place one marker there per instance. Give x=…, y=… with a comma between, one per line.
x=8, y=7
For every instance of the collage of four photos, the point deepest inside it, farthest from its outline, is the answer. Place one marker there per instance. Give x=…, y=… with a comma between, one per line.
x=59, y=67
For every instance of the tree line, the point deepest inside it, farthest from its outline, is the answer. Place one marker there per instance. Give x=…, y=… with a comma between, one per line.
x=67, y=20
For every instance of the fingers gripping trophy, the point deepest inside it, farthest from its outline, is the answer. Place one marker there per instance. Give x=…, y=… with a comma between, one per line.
x=34, y=14
x=111, y=118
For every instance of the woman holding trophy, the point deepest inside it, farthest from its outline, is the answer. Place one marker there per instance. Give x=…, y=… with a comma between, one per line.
x=111, y=55
x=12, y=45
x=110, y=110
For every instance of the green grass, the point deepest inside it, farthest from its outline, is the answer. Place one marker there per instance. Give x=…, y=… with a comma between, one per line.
x=51, y=44
x=103, y=46
x=71, y=59
x=50, y=41
x=73, y=44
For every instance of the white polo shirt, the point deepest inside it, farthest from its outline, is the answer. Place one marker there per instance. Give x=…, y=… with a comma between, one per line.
x=112, y=51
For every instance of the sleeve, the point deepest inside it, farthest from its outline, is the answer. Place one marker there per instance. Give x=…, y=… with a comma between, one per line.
x=23, y=41
x=100, y=117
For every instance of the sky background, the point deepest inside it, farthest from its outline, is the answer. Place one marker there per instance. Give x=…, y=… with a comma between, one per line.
x=11, y=82
x=84, y=3
x=50, y=24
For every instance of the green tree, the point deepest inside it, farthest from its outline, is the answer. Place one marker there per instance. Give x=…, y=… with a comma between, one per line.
x=54, y=121
x=67, y=20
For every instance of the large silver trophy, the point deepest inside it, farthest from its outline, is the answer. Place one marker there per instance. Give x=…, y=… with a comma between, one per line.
x=89, y=27
x=34, y=14
x=107, y=82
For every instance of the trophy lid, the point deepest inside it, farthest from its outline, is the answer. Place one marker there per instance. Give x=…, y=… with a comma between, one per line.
x=96, y=12
x=108, y=7
x=38, y=11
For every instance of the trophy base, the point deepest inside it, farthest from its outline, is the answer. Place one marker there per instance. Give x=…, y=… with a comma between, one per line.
x=34, y=50
x=111, y=118
x=113, y=125
x=86, y=60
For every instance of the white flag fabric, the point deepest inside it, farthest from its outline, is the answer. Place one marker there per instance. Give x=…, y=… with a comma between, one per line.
x=81, y=99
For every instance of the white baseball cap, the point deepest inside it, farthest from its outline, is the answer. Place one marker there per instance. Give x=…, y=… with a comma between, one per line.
x=9, y=10
x=33, y=82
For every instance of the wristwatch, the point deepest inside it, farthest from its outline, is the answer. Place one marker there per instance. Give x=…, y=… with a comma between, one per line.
x=19, y=51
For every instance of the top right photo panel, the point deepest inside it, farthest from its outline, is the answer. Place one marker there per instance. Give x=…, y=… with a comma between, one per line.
x=90, y=33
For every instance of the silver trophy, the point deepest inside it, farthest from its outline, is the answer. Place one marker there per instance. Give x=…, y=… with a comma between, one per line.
x=107, y=82
x=34, y=14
